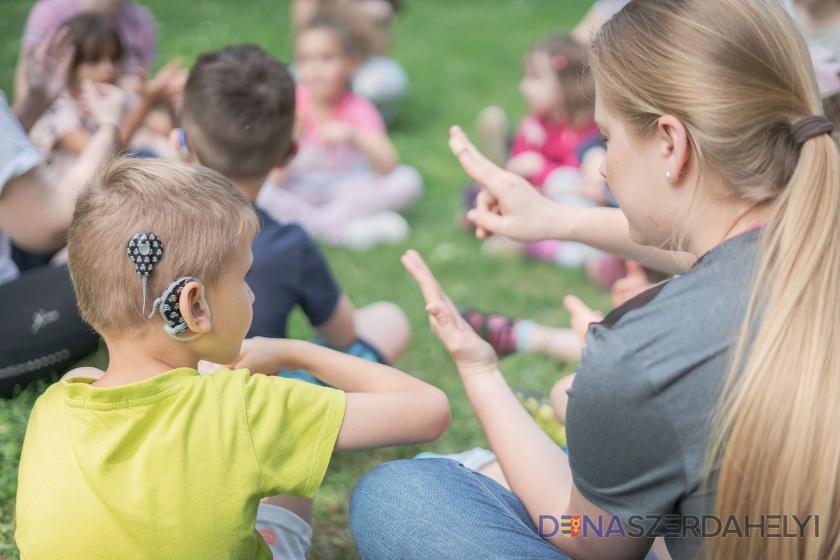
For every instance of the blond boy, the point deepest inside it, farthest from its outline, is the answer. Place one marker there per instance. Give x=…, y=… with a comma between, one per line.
x=153, y=460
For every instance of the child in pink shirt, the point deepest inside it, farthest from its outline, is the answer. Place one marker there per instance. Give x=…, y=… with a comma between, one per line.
x=345, y=184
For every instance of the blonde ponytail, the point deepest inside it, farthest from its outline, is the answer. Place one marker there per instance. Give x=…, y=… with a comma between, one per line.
x=738, y=75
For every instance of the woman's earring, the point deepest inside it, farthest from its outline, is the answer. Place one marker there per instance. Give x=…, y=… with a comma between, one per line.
x=668, y=176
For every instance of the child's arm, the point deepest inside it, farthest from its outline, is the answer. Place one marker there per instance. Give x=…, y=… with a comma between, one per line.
x=384, y=407
x=373, y=144
x=512, y=207
x=154, y=92
x=36, y=215
x=339, y=331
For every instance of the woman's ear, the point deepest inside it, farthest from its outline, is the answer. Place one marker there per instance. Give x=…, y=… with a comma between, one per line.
x=675, y=147
x=194, y=308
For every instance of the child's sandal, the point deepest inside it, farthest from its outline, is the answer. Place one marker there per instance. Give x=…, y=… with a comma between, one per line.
x=495, y=329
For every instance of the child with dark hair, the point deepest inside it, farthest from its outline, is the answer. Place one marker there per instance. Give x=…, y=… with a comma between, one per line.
x=555, y=148
x=345, y=186
x=66, y=128
x=239, y=107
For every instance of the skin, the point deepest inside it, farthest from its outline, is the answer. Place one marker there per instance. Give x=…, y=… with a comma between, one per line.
x=36, y=215
x=536, y=470
x=326, y=70
x=106, y=70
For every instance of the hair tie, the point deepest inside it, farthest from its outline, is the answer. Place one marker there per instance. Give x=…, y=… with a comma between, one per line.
x=559, y=62
x=809, y=127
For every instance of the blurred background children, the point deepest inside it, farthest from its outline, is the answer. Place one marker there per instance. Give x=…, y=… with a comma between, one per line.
x=345, y=184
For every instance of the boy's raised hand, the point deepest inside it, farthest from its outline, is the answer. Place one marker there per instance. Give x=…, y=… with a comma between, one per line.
x=471, y=353
x=509, y=205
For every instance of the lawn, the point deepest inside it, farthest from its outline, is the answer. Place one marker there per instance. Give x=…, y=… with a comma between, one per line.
x=460, y=56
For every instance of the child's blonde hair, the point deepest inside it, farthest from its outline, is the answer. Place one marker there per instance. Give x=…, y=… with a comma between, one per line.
x=737, y=74
x=199, y=216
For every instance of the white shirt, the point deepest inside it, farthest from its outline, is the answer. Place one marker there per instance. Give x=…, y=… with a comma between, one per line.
x=17, y=156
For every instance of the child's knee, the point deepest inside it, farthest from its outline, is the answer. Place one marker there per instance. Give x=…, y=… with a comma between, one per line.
x=410, y=181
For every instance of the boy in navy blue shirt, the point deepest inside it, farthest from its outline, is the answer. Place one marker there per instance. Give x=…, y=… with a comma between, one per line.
x=239, y=107
x=239, y=110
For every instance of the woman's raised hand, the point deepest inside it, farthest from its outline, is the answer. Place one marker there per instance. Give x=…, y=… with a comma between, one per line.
x=508, y=205
x=471, y=353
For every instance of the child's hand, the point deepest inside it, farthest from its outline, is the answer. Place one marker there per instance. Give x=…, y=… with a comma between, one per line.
x=261, y=355
x=336, y=132
x=582, y=315
x=509, y=205
x=167, y=83
x=105, y=103
x=526, y=164
x=631, y=285
x=471, y=353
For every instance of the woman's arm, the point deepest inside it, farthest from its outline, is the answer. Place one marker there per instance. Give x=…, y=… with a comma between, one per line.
x=535, y=467
x=511, y=207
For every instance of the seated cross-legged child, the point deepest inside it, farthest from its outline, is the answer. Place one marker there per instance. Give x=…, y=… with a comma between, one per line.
x=345, y=185
x=239, y=105
x=238, y=114
x=153, y=460
x=65, y=129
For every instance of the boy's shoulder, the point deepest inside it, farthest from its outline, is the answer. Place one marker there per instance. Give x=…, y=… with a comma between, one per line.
x=276, y=239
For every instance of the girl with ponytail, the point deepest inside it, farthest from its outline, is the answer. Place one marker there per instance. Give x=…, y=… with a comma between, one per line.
x=711, y=398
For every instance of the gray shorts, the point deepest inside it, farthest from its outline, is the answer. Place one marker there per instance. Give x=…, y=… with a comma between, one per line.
x=288, y=536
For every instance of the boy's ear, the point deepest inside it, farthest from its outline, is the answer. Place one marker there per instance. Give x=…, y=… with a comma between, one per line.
x=179, y=142
x=194, y=308
x=290, y=155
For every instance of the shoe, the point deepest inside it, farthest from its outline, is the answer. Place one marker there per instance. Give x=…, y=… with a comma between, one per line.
x=383, y=227
x=495, y=329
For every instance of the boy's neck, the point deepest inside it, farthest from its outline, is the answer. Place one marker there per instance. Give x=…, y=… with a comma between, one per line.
x=251, y=189
x=131, y=362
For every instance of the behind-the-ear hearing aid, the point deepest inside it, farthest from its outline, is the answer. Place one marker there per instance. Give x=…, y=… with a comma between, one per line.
x=145, y=250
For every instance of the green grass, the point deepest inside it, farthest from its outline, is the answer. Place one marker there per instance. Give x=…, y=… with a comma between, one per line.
x=461, y=56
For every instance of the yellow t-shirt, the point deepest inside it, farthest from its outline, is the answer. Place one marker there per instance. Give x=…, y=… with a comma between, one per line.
x=171, y=467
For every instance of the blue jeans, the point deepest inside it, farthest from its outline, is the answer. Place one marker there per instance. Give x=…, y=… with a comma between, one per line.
x=437, y=508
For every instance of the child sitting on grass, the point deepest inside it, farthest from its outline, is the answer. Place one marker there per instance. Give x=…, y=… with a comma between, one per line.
x=239, y=105
x=345, y=186
x=153, y=460
x=65, y=129
x=555, y=148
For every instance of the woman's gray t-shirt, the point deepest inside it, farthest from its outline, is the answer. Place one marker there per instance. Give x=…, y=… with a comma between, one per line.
x=639, y=412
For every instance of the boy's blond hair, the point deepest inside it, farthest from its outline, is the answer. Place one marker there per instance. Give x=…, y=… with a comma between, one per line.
x=199, y=216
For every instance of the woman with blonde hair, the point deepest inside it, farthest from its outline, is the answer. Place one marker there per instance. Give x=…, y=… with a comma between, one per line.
x=704, y=410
